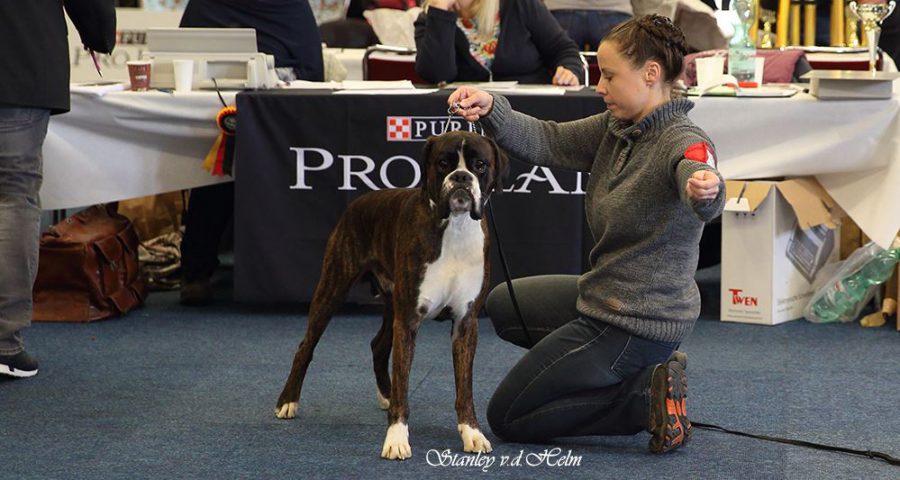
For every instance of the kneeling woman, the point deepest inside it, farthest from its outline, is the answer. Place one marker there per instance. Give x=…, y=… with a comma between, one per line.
x=605, y=360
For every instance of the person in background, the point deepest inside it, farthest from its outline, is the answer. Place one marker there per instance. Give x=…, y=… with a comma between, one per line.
x=494, y=40
x=604, y=361
x=588, y=21
x=286, y=29
x=34, y=84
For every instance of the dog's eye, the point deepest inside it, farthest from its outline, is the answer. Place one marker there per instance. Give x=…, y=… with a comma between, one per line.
x=444, y=163
x=480, y=166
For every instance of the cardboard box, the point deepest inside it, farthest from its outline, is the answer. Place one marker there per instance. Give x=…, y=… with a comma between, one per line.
x=776, y=236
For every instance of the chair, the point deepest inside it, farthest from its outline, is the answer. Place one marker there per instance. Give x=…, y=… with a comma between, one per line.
x=348, y=33
x=383, y=62
x=591, y=68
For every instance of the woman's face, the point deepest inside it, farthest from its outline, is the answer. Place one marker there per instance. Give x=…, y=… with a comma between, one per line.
x=624, y=88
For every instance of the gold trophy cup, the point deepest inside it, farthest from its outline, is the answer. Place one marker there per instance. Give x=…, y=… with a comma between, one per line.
x=871, y=15
x=768, y=18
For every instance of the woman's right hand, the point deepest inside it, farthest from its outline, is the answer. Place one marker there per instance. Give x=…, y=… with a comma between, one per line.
x=471, y=103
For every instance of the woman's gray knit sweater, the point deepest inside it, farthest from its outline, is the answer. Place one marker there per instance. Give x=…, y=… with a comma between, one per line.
x=646, y=229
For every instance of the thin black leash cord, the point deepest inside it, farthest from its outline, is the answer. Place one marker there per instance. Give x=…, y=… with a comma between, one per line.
x=512, y=293
x=705, y=426
x=818, y=446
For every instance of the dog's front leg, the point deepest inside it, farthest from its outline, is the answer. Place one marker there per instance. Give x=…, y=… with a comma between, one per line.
x=465, y=339
x=396, y=442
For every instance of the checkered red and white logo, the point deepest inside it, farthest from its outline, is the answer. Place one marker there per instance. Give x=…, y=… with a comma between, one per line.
x=399, y=129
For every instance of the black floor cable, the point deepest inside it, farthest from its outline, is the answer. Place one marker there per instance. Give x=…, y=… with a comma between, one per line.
x=818, y=446
x=705, y=426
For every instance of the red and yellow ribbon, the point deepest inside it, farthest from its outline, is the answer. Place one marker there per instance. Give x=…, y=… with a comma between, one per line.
x=226, y=120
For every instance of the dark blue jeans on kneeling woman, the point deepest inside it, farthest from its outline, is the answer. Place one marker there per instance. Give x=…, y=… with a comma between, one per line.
x=582, y=377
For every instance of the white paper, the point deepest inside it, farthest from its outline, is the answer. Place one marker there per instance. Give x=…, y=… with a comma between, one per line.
x=377, y=85
x=307, y=85
x=767, y=92
x=415, y=91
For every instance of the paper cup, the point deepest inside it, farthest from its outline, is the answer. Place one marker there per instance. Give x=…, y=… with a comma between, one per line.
x=709, y=70
x=139, y=74
x=760, y=68
x=184, y=75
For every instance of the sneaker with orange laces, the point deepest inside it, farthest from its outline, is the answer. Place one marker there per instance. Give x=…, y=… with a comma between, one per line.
x=669, y=425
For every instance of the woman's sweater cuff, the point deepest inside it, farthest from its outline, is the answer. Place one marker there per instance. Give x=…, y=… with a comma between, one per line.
x=494, y=120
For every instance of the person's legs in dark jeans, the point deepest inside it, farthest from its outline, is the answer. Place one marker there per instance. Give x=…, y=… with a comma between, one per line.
x=583, y=377
x=598, y=23
x=209, y=210
x=573, y=22
x=547, y=303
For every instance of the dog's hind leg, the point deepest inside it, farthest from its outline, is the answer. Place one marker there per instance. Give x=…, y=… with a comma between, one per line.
x=381, y=354
x=337, y=277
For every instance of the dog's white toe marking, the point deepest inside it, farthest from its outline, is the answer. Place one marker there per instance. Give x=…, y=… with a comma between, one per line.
x=383, y=403
x=473, y=440
x=396, y=443
x=288, y=410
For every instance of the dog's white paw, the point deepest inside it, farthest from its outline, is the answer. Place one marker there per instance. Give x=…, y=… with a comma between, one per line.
x=383, y=403
x=396, y=443
x=473, y=440
x=288, y=410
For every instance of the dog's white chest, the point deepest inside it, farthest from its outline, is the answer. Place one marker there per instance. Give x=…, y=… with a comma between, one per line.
x=455, y=278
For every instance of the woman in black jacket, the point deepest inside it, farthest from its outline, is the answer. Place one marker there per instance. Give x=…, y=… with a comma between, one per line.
x=494, y=40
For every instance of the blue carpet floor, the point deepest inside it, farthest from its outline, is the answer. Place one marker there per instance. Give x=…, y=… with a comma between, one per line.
x=173, y=392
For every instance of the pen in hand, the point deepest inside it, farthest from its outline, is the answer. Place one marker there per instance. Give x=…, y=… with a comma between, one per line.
x=96, y=62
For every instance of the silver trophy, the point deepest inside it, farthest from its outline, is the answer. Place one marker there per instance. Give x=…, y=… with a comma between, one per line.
x=871, y=15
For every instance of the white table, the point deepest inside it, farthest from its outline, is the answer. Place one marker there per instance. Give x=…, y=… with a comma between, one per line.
x=852, y=148
x=129, y=144
x=126, y=144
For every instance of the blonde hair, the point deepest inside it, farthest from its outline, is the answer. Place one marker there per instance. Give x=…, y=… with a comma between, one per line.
x=485, y=16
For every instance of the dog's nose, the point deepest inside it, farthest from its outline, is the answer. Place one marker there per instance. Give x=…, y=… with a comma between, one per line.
x=460, y=177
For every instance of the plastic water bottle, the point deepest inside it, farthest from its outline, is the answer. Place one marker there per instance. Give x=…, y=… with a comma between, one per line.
x=844, y=295
x=742, y=48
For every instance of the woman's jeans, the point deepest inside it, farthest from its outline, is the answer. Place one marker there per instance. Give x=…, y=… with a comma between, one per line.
x=588, y=27
x=582, y=377
x=22, y=132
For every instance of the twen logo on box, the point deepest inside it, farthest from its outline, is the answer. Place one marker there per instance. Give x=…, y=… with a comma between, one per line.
x=738, y=299
x=418, y=129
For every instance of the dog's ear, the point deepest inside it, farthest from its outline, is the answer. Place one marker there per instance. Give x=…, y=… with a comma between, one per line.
x=501, y=170
x=427, y=182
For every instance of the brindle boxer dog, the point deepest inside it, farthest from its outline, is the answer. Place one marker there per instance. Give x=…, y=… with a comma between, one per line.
x=426, y=250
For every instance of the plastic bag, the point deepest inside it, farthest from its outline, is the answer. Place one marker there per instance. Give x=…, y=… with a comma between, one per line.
x=827, y=285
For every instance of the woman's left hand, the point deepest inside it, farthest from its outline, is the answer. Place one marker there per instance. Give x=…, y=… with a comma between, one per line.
x=703, y=185
x=564, y=76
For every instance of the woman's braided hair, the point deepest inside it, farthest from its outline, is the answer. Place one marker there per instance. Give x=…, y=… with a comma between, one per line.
x=651, y=37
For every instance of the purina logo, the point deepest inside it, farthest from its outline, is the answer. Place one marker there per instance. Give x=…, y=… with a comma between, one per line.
x=418, y=129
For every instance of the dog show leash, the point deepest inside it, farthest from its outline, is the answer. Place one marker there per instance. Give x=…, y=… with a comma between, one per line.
x=451, y=111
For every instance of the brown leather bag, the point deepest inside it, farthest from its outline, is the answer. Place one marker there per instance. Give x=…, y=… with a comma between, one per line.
x=88, y=268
